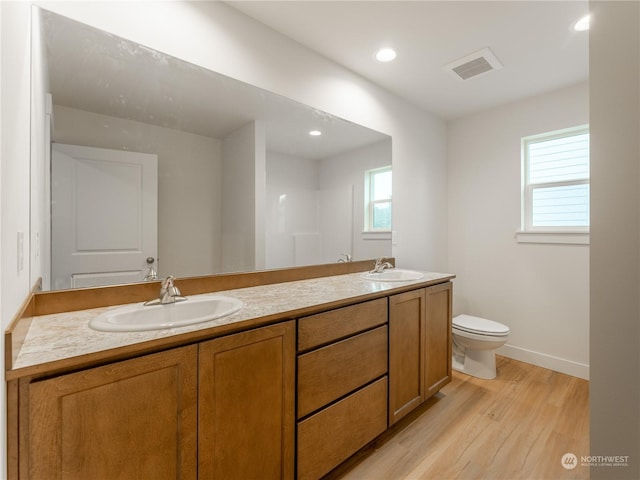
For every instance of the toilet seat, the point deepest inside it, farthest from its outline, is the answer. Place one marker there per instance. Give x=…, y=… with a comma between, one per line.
x=480, y=326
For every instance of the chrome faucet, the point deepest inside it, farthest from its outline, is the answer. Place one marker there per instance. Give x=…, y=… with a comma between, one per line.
x=344, y=258
x=169, y=293
x=381, y=265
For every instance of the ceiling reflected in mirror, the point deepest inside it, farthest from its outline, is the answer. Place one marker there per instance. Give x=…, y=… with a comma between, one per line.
x=98, y=72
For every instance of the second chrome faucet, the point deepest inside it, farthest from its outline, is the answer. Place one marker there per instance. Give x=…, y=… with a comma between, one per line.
x=381, y=265
x=169, y=293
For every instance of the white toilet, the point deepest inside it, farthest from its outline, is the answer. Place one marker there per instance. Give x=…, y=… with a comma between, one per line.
x=475, y=341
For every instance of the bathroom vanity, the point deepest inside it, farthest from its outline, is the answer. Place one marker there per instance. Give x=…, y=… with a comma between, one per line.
x=304, y=376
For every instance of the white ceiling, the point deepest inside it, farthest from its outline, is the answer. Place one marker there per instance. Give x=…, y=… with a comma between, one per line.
x=533, y=40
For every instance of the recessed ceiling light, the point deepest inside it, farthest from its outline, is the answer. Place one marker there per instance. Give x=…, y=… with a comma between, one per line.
x=385, y=54
x=315, y=133
x=582, y=24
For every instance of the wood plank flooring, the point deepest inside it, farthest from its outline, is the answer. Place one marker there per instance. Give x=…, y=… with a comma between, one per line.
x=517, y=426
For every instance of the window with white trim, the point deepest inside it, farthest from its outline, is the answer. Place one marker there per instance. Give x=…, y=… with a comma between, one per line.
x=377, y=192
x=555, y=181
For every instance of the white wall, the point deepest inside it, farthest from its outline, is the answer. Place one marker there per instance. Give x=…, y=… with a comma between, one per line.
x=336, y=221
x=291, y=209
x=540, y=291
x=189, y=183
x=15, y=152
x=614, y=56
x=240, y=189
x=260, y=193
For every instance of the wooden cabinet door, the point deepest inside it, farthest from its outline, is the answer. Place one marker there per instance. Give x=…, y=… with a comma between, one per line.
x=247, y=405
x=132, y=419
x=407, y=343
x=438, y=329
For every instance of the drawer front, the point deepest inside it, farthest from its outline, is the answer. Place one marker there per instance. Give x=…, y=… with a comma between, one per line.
x=332, y=435
x=326, y=374
x=329, y=326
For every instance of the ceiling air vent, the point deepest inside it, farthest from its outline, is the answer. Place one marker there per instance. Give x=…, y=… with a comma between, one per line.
x=474, y=64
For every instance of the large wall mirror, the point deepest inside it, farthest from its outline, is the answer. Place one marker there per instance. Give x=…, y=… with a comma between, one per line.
x=143, y=161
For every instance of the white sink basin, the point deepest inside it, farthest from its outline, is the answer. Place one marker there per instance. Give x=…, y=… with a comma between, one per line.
x=393, y=275
x=138, y=317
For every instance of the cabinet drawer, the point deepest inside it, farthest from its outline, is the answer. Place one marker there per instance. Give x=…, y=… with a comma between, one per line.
x=326, y=374
x=332, y=435
x=329, y=326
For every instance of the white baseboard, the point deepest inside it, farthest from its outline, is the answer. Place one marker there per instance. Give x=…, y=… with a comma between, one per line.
x=557, y=364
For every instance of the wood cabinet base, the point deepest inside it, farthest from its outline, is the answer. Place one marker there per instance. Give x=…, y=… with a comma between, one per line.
x=225, y=408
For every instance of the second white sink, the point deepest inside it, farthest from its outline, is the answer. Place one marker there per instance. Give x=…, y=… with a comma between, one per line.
x=139, y=317
x=393, y=275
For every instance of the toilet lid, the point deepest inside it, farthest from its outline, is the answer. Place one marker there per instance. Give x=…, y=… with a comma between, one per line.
x=479, y=325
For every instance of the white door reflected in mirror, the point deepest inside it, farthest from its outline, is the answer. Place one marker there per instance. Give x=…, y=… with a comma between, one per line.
x=104, y=206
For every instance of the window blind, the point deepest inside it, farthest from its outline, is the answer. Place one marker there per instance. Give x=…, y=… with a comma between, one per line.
x=558, y=180
x=559, y=160
x=560, y=206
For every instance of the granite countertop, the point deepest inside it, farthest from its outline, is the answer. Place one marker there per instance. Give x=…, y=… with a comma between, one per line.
x=64, y=336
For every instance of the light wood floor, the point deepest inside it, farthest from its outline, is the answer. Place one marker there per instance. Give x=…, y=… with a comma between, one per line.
x=517, y=426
